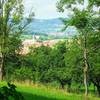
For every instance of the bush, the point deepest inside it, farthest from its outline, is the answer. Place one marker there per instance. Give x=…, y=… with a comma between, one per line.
x=9, y=93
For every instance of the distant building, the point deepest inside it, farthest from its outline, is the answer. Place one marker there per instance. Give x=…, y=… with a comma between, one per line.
x=29, y=43
x=36, y=38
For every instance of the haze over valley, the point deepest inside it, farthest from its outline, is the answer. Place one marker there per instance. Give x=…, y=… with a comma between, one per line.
x=49, y=27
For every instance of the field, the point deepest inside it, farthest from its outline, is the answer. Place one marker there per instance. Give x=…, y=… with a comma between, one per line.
x=40, y=92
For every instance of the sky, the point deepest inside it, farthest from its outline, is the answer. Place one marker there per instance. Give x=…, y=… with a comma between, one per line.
x=46, y=9
x=43, y=9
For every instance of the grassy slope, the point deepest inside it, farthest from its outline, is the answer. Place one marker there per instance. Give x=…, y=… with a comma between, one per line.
x=43, y=93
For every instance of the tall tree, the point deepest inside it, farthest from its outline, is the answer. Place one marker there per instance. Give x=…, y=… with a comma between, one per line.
x=82, y=19
x=12, y=23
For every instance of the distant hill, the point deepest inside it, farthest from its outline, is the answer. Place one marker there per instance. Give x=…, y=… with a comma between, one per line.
x=49, y=27
x=45, y=26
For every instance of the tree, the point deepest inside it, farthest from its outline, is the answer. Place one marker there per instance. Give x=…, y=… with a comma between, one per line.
x=82, y=19
x=49, y=64
x=74, y=60
x=57, y=55
x=12, y=24
x=94, y=59
x=40, y=56
x=57, y=70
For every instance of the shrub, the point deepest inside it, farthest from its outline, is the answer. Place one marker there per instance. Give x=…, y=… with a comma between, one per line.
x=9, y=93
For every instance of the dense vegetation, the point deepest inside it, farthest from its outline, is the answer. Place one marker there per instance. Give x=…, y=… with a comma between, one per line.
x=75, y=61
x=87, y=22
x=9, y=93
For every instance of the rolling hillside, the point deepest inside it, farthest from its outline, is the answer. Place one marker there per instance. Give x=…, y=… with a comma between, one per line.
x=50, y=27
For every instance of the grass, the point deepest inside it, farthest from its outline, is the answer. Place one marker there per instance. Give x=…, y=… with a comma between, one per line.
x=40, y=92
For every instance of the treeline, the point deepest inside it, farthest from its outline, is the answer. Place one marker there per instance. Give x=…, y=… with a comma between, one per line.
x=63, y=63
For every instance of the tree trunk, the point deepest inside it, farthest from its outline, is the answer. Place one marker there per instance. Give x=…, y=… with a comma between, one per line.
x=62, y=85
x=85, y=73
x=69, y=87
x=2, y=45
x=1, y=67
x=98, y=89
x=1, y=74
x=94, y=88
x=86, y=65
x=1, y=39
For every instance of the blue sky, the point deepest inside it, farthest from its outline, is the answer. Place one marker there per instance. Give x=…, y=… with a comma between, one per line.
x=44, y=9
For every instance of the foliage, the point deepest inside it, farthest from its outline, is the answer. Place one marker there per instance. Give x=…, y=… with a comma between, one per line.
x=12, y=25
x=22, y=74
x=71, y=61
x=85, y=20
x=9, y=93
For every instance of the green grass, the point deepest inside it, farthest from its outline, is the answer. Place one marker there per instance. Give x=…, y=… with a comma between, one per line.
x=40, y=92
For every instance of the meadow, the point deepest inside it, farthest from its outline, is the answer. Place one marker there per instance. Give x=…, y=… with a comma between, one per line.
x=41, y=92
